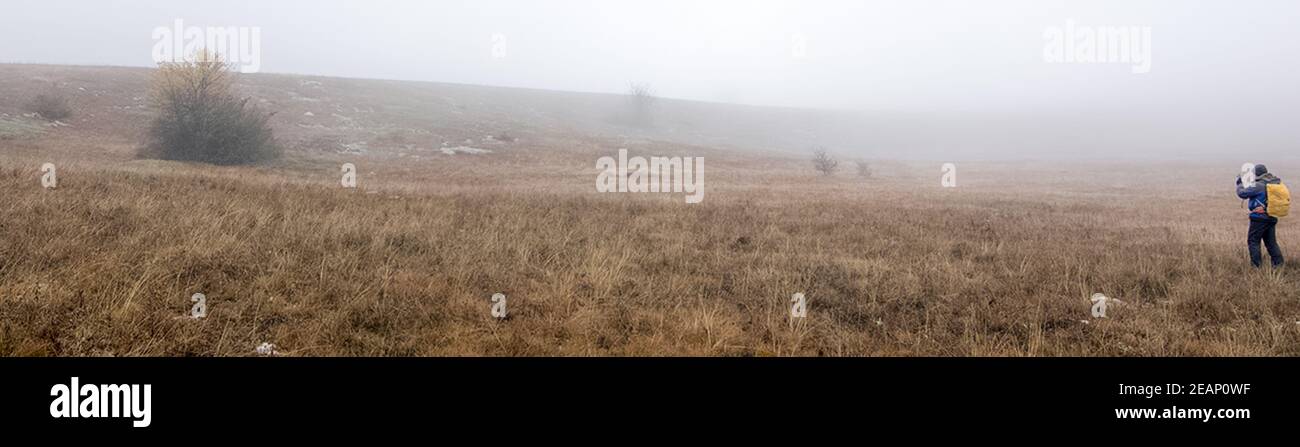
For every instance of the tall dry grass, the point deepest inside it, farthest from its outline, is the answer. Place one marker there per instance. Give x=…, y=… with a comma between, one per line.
x=105, y=264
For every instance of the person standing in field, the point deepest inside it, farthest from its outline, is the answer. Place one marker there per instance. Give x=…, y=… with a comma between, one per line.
x=1268, y=199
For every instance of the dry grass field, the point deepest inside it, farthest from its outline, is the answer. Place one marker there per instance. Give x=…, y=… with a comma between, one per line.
x=405, y=264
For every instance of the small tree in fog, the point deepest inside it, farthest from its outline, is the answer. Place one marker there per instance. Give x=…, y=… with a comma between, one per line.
x=824, y=162
x=641, y=101
x=200, y=118
x=864, y=168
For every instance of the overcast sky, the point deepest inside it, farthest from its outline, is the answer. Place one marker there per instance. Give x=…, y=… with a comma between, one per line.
x=874, y=55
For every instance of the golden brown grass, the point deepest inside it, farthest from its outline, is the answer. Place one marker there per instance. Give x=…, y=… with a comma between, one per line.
x=1002, y=265
x=104, y=264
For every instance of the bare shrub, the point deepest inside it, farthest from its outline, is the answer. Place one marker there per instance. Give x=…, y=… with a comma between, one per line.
x=52, y=106
x=824, y=162
x=200, y=118
x=641, y=102
x=864, y=168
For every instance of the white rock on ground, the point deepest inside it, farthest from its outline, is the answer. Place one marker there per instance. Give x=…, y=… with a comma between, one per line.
x=464, y=150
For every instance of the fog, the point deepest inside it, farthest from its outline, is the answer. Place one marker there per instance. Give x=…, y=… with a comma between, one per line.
x=964, y=78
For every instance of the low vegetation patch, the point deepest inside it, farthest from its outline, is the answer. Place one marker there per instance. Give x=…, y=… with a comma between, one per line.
x=201, y=119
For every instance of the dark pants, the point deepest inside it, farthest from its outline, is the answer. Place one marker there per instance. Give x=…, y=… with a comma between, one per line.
x=1267, y=232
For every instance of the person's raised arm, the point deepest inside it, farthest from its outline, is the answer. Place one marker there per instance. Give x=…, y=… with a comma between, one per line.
x=1246, y=192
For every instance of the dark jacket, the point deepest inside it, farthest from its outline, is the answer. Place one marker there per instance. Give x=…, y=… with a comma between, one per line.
x=1256, y=196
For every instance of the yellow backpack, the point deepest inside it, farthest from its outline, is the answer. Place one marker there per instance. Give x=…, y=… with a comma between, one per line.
x=1279, y=200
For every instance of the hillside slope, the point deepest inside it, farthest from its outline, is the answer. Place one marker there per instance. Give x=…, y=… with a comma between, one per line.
x=334, y=115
